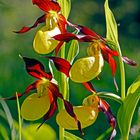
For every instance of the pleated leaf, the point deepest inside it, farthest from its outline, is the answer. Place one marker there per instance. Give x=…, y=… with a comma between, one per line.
x=73, y=50
x=65, y=7
x=69, y=136
x=111, y=25
x=45, y=132
x=126, y=110
x=135, y=87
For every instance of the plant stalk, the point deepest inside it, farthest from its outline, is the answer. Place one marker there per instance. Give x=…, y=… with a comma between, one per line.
x=122, y=74
x=64, y=91
x=125, y=137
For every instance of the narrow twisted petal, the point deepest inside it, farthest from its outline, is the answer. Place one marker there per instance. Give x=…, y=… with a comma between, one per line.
x=105, y=108
x=28, y=89
x=89, y=86
x=26, y=29
x=129, y=61
x=108, y=56
x=68, y=106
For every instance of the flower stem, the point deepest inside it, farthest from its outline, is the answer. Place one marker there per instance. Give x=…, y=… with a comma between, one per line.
x=19, y=118
x=64, y=91
x=122, y=73
x=125, y=137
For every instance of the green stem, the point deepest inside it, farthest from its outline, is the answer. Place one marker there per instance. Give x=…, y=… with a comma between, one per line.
x=125, y=137
x=64, y=91
x=122, y=73
x=61, y=133
x=102, y=136
x=19, y=118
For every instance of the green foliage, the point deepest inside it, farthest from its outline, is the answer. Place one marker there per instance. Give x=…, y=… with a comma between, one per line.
x=126, y=110
x=111, y=26
x=3, y=133
x=10, y=49
x=111, y=96
x=135, y=87
x=69, y=136
x=30, y=132
x=65, y=7
x=73, y=50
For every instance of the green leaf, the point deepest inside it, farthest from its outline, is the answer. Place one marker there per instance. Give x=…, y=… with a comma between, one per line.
x=45, y=132
x=3, y=133
x=135, y=87
x=69, y=136
x=65, y=7
x=111, y=25
x=7, y=112
x=9, y=118
x=73, y=50
x=126, y=112
x=112, y=44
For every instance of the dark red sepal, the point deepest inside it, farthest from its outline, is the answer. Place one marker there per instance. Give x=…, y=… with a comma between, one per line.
x=26, y=29
x=129, y=61
x=31, y=87
x=28, y=89
x=68, y=106
x=86, y=31
x=47, y=5
x=89, y=86
x=61, y=64
x=69, y=36
x=105, y=108
x=36, y=68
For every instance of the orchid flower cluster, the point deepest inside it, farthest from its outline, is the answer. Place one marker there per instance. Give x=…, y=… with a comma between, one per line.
x=52, y=37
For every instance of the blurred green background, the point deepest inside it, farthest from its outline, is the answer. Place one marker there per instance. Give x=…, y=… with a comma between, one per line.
x=13, y=77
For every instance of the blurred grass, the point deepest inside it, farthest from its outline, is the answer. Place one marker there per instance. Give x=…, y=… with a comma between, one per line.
x=13, y=76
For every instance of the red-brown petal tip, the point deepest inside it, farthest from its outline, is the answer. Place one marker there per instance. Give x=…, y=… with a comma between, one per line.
x=129, y=61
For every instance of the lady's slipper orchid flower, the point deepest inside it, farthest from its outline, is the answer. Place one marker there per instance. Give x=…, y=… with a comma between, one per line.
x=55, y=24
x=42, y=103
x=85, y=69
x=98, y=43
x=87, y=114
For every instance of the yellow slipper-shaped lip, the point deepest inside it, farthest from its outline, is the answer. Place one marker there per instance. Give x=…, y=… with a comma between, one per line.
x=43, y=42
x=34, y=107
x=86, y=69
x=85, y=114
